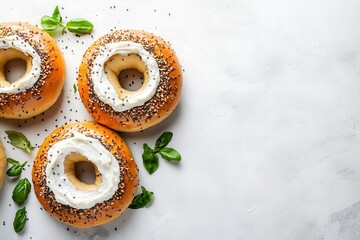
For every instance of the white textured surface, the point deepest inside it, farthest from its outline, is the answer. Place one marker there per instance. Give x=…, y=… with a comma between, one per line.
x=268, y=125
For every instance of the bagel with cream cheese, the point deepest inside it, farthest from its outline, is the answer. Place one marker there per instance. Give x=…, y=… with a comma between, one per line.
x=120, y=109
x=72, y=201
x=40, y=86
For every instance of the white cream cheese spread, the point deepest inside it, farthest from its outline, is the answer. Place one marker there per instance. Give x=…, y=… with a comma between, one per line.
x=103, y=87
x=29, y=79
x=64, y=190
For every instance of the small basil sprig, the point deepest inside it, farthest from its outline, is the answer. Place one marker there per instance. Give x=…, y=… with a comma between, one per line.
x=79, y=25
x=19, y=140
x=21, y=191
x=150, y=158
x=16, y=169
x=142, y=200
x=56, y=15
x=163, y=140
x=20, y=220
x=53, y=25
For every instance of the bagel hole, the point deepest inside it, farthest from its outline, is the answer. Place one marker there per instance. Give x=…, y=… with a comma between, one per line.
x=85, y=172
x=131, y=79
x=14, y=70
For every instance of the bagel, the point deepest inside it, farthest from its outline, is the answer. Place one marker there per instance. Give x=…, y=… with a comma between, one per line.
x=40, y=86
x=3, y=164
x=68, y=199
x=120, y=109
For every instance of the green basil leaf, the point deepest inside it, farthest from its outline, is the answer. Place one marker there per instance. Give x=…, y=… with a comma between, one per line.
x=50, y=25
x=24, y=164
x=19, y=140
x=20, y=220
x=21, y=191
x=150, y=159
x=79, y=25
x=170, y=154
x=15, y=170
x=163, y=140
x=147, y=150
x=74, y=86
x=12, y=161
x=56, y=15
x=142, y=200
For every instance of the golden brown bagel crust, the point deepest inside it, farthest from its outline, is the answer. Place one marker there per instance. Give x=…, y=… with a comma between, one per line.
x=44, y=93
x=160, y=106
x=101, y=213
x=3, y=164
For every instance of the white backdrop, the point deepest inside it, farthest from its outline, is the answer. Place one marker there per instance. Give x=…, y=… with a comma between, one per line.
x=268, y=124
